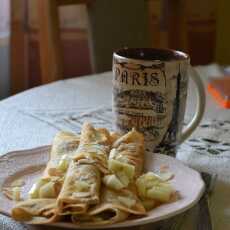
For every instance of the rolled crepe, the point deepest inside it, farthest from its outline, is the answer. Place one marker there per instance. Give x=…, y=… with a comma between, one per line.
x=115, y=206
x=41, y=206
x=64, y=147
x=36, y=211
x=49, y=185
x=97, y=136
x=130, y=149
x=80, y=189
x=107, y=214
x=94, y=147
x=83, y=180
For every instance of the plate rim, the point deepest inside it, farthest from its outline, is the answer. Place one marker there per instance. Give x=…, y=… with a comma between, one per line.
x=121, y=224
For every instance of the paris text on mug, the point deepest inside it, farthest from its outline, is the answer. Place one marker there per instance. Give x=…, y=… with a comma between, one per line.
x=149, y=93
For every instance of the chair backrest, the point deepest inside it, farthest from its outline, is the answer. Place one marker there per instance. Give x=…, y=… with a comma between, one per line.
x=112, y=24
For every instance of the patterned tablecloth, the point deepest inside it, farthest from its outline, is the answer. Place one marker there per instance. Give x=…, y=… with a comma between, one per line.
x=32, y=118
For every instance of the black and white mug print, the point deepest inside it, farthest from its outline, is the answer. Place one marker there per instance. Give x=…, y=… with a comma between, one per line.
x=149, y=94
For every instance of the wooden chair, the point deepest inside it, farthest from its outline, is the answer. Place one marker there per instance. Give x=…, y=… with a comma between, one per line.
x=112, y=24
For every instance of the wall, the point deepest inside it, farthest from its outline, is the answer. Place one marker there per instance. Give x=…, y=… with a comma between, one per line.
x=187, y=25
x=73, y=27
x=195, y=33
x=223, y=33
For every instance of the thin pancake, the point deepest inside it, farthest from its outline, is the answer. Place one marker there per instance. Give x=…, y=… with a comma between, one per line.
x=112, y=208
x=107, y=214
x=130, y=149
x=64, y=143
x=50, y=184
x=84, y=171
x=80, y=188
x=94, y=147
x=114, y=136
x=91, y=135
x=113, y=197
x=36, y=211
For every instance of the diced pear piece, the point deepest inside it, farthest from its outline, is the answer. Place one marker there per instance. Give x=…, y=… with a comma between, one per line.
x=161, y=192
x=146, y=181
x=123, y=159
x=123, y=178
x=63, y=163
x=114, y=155
x=129, y=170
x=34, y=191
x=151, y=176
x=82, y=186
x=162, y=175
x=151, y=186
x=127, y=201
x=116, y=166
x=47, y=190
x=148, y=204
x=121, y=168
x=141, y=187
x=166, y=175
x=113, y=182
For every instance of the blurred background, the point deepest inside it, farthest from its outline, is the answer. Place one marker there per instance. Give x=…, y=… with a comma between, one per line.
x=37, y=48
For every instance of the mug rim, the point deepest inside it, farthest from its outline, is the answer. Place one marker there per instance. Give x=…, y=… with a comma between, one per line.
x=173, y=55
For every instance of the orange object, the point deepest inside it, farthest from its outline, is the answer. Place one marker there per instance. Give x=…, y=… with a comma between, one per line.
x=219, y=88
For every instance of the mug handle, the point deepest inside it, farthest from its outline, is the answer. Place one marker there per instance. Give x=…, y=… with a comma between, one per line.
x=200, y=106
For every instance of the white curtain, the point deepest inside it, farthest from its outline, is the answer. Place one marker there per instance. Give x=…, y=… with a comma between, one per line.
x=4, y=47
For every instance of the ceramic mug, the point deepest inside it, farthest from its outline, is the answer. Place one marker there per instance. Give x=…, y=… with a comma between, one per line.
x=149, y=93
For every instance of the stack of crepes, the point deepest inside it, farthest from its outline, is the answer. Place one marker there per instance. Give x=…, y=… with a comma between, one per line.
x=94, y=178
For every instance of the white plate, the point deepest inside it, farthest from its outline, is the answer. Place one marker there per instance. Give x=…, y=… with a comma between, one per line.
x=29, y=164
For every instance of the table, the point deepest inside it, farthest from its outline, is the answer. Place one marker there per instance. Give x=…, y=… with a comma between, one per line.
x=33, y=117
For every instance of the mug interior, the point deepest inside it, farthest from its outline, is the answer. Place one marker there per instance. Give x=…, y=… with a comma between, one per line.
x=150, y=54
